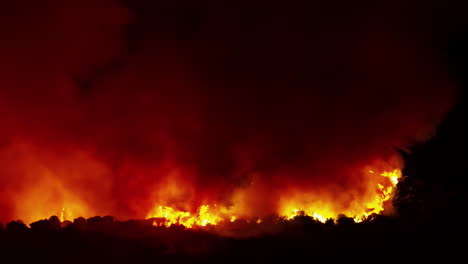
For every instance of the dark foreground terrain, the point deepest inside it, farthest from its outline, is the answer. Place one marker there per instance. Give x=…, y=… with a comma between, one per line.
x=103, y=240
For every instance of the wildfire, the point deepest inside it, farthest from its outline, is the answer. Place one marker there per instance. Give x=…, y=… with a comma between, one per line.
x=62, y=215
x=380, y=190
x=166, y=215
x=384, y=192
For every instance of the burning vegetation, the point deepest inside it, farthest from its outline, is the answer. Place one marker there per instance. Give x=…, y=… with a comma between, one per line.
x=205, y=115
x=166, y=216
x=238, y=132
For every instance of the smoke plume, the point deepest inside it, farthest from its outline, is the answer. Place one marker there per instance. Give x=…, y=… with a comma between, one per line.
x=112, y=108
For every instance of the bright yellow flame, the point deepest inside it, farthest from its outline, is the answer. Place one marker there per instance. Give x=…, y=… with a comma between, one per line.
x=62, y=215
x=320, y=211
x=171, y=216
x=393, y=176
x=374, y=206
x=319, y=217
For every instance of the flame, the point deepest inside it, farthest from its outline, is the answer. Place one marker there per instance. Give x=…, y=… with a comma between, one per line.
x=50, y=184
x=384, y=189
x=375, y=205
x=62, y=215
x=67, y=215
x=165, y=215
x=394, y=176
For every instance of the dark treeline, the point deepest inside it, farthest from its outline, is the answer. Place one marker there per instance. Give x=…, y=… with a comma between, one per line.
x=105, y=240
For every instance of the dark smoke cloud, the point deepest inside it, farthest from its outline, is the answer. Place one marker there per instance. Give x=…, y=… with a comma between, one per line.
x=105, y=103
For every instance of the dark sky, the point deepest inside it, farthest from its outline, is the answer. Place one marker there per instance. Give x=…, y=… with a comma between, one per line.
x=110, y=107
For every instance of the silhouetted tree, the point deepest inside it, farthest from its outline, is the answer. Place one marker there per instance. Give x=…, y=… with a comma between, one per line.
x=65, y=223
x=345, y=221
x=16, y=226
x=78, y=224
x=330, y=222
x=108, y=220
x=41, y=225
x=54, y=222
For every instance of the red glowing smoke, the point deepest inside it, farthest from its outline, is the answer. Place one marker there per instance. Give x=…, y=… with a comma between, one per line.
x=113, y=109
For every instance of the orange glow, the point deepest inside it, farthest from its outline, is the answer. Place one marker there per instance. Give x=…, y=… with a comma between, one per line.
x=170, y=216
x=373, y=204
x=49, y=198
x=209, y=127
x=45, y=192
x=290, y=208
x=55, y=185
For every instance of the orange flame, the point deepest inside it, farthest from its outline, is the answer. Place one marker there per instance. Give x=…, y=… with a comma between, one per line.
x=375, y=205
x=166, y=216
x=170, y=216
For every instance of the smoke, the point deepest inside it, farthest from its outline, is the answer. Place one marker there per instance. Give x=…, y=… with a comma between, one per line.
x=112, y=108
